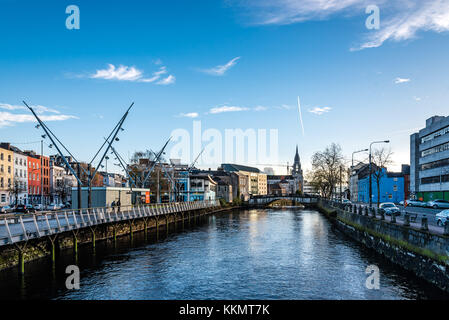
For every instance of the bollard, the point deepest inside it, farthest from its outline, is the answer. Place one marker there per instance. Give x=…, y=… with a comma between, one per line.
x=393, y=218
x=382, y=214
x=373, y=213
x=446, y=229
x=366, y=211
x=407, y=219
x=424, y=223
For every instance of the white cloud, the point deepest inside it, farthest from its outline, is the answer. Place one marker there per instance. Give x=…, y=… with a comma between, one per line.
x=260, y=108
x=39, y=109
x=227, y=109
x=284, y=107
x=400, y=20
x=401, y=80
x=320, y=111
x=9, y=119
x=413, y=16
x=125, y=73
x=221, y=69
x=417, y=99
x=121, y=73
x=169, y=80
x=189, y=115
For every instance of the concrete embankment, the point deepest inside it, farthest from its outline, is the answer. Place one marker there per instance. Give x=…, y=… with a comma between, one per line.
x=423, y=253
x=49, y=246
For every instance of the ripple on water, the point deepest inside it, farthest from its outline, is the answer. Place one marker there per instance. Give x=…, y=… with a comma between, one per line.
x=256, y=254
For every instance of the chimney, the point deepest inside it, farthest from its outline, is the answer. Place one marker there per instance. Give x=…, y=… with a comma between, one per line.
x=5, y=145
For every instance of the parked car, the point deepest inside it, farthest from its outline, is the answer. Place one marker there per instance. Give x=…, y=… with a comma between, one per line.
x=66, y=206
x=53, y=207
x=389, y=208
x=22, y=208
x=346, y=201
x=38, y=207
x=415, y=203
x=438, y=204
x=6, y=209
x=442, y=217
x=31, y=208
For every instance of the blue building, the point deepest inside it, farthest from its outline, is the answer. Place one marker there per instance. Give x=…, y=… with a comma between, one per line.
x=391, y=188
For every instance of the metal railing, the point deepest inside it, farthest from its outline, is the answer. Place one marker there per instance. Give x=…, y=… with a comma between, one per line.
x=376, y=213
x=23, y=227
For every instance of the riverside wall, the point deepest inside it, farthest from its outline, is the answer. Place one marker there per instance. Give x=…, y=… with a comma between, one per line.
x=419, y=251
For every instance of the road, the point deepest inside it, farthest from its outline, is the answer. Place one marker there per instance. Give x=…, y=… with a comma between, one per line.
x=430, y=213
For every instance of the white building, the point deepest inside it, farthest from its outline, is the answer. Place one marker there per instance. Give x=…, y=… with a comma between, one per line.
x=20, y=177
x=61, y=184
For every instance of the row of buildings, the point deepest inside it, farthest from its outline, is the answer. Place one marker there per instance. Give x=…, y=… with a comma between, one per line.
x=174, y=181
x=425, y=179
x=30, y=178
x=393, y=186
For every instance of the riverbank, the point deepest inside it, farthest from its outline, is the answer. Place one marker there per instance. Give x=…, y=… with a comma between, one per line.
x=423, y=253
x=17, y=255
x=256, y=254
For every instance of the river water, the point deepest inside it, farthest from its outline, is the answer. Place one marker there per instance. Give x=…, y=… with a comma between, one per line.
x=249, y=254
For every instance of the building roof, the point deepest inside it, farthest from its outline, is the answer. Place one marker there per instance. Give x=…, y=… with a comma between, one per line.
x=279, y=177
x=237, y=167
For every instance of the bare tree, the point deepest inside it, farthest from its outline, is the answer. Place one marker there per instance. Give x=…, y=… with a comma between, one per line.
x=15, y=189
x=328, y=170
x=380, y=159
x=62, y=189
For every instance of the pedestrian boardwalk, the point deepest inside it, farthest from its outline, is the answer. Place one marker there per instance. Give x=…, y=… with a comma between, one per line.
x=24, y=227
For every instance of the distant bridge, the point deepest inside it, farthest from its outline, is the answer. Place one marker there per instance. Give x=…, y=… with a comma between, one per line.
x=265, y=200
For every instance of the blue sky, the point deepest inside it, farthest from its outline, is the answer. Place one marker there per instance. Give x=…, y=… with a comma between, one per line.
x=251, y=59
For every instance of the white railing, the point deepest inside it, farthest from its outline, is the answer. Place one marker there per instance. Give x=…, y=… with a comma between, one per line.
x=23, y=227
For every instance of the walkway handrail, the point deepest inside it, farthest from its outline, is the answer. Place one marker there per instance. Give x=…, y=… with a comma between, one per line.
x=23, y=227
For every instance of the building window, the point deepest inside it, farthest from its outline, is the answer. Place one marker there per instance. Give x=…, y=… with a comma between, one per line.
x=435, y=164
x=395, y=188
x=435, y=134
x=430, y=180
x=440, y=148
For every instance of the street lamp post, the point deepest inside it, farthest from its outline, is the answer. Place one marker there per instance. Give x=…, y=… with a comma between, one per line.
x=352, y=163
x=370, y=174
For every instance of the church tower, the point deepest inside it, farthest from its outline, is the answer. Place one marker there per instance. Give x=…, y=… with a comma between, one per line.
x=297, y=172
x=297, y=164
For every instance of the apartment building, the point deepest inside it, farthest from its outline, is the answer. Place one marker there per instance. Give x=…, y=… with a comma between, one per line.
x=34, y=178
x=256, y=180
x=429, y=160
x=6, y=173
x=19, y=192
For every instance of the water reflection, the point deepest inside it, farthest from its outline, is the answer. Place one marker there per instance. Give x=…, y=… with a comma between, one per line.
x=256, y=254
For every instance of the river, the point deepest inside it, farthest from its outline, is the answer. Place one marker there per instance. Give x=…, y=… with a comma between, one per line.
x=248, y=254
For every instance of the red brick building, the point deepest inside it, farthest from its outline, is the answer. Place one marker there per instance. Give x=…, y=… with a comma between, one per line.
x=45, y=176
x=34, y=178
